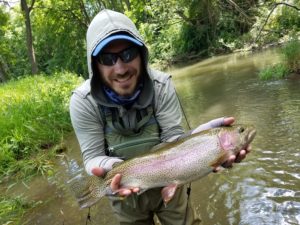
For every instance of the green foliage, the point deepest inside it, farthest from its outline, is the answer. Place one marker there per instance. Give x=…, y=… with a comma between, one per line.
x=291, y=54
x=12, y=208
x=4, y=52
x=277, y=21
x=172, y=29
x=278, y=71
x=14, y=52
x=34, y=116
x=60, y=30
x=197, y=39
x=287, y=19
x=184, y=29
x=291, y=63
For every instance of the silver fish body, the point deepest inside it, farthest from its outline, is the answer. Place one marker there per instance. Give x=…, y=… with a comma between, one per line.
x=171, y=165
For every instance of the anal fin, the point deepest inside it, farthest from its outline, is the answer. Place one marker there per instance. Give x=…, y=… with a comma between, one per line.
x=168, y=193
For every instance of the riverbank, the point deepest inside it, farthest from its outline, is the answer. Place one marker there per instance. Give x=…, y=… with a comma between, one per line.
x=224, y=49
x=34, y=118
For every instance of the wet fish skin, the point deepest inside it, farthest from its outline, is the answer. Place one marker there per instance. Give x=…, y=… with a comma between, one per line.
x=172, y=165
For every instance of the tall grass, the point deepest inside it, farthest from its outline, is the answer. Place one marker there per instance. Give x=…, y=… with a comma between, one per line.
x=277, y=71
x=291, y=63
x=13, y=208
x=33, y=118
x=291, y=54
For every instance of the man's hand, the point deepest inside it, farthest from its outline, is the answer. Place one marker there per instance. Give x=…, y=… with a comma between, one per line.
x=115, y=183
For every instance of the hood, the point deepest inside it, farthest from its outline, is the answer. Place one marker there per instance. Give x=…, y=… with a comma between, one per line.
x=104, y=24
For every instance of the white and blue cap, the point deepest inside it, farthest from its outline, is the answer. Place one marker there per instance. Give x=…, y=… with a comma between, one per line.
x=111, y=38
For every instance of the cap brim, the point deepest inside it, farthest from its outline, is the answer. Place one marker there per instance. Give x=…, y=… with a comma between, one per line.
x=107, y=40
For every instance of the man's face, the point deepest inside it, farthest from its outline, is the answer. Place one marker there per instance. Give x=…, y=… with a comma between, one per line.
x=121, y=77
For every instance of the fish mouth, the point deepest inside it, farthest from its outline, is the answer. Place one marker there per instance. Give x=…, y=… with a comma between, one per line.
x=251, y=135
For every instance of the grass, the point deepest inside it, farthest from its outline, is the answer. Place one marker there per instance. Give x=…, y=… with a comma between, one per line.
x=34, y=117
x=291, y=54
x=277, y=71
x=291, y=63
x=13, y=208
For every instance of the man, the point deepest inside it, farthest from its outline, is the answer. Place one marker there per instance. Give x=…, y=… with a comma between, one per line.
x=123, y=110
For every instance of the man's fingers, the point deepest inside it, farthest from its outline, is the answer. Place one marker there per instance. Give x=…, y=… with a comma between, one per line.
x=115, y=187
x=229, y=162
x=124, y=192
x=115, y=183
x=135, y=190
x=98, y=171
x=228, y=121
x=127, y=191
x=241, y=156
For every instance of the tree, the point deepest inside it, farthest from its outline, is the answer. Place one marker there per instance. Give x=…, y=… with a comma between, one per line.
x=29, y=39
x=274, y=6
x=173, y=30
x=4, y=51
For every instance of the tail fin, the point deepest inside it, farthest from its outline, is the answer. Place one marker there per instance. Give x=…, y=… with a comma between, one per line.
x=87, y=189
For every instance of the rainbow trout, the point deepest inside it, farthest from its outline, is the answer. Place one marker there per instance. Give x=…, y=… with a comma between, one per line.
x=171, y=165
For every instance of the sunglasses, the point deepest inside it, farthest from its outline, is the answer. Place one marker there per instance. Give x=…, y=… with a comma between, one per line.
x=126, y=55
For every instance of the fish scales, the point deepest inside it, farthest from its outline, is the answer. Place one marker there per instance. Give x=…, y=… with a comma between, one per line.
x=171, y=165
x=193, y=164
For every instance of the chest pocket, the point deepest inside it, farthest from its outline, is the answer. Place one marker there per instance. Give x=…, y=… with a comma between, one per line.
x=131, y=135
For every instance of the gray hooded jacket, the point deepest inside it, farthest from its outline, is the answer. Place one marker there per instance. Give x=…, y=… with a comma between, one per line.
x=158, y=90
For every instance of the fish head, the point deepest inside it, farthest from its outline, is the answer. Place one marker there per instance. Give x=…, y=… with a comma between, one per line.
x=237, y=137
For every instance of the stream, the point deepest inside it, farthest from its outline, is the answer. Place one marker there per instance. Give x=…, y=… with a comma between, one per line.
x=262, y=190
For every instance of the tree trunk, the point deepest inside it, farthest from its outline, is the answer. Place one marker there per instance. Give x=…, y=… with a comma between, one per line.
x=30, y=49
x=86, y=17
x=3, y=70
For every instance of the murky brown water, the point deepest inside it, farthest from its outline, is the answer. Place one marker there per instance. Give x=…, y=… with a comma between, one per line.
x=263, y=190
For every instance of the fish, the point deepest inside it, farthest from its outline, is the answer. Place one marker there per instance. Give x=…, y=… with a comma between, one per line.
x=169, y=166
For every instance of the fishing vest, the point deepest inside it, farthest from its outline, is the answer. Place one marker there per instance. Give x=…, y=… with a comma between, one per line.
x=127, y=143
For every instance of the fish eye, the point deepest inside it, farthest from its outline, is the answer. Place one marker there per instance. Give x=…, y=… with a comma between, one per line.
x=241, y=129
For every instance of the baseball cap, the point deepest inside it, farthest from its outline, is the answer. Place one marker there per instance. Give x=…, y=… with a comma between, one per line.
x=111, y=38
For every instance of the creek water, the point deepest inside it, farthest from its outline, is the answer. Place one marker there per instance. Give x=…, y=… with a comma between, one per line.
x=264, y=189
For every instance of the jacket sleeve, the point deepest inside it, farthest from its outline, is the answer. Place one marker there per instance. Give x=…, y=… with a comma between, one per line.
x=167, y=110
x=89, y=132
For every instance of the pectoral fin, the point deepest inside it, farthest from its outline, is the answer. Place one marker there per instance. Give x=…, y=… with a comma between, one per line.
x=222, y=157
x=168, y=193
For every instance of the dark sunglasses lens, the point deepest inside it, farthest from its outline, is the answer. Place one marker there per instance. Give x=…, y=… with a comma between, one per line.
x=107, y=59
x=126, y=56
x=129, y=54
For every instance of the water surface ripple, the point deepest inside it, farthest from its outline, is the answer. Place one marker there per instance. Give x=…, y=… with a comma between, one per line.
x=265, y=188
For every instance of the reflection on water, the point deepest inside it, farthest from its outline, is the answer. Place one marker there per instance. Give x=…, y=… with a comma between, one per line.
x=264, y=189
